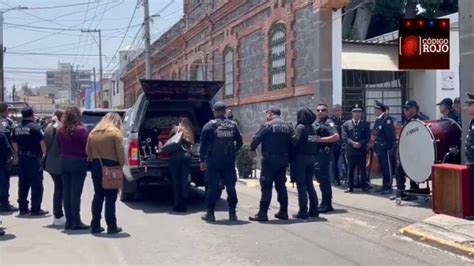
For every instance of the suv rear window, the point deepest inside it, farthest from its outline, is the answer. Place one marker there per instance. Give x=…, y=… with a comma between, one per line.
x=91, y=119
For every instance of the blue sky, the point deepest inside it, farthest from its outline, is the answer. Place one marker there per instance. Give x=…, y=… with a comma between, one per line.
x=47, y=32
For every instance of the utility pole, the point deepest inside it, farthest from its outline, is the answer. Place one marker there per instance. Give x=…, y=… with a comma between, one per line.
x=2, y=50
x=100, y=58
x=95, y=91
x=146, y=8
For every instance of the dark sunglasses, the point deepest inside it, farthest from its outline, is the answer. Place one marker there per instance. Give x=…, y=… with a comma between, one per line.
x=321, y=110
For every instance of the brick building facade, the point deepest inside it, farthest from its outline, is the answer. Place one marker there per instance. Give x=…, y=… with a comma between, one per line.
x=268, y=52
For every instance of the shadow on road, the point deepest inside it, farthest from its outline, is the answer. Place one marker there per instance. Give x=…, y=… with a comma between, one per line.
x=114, y=236
x=295, y=221
x=336, y=211
x=7, y=237
x=229, y=223
x=52, y=226
x=76, y=232
x=160, y=200
x=33, y=217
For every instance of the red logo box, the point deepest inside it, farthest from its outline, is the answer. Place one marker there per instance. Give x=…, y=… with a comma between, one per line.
x=423, y=44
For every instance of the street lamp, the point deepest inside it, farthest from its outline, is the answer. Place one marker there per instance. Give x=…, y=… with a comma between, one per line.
x=2, y=50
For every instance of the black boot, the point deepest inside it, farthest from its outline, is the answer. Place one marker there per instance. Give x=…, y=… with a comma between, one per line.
x=313, y=213
x=7, y=207
x=232, y=216
x=259, y=217
x=80, y=226
x=97, y=230
x=281, y=215
x=114, y=230
x=2, y=232
x=208, y=217
x=301, y=215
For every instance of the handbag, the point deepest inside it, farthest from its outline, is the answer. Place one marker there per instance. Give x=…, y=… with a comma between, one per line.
x=174, y=143
x=112, y=176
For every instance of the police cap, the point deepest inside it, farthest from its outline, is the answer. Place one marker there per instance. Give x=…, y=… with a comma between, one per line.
x=27, y=112
x=356, y=108
x=410, y=104
x=446, y=101
x=219, y=107
x=274, y=110
x=470, y=97
x=380, y=105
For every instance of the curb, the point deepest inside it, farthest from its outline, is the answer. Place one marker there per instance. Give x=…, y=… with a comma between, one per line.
x=453, y=247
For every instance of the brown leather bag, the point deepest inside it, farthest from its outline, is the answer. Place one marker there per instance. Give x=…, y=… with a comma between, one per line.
x=112, y=176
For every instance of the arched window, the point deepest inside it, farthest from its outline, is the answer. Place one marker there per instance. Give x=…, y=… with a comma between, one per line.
x=277, y=62
x=228, y=73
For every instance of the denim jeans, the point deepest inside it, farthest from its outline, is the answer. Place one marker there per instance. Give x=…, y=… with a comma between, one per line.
x=101, y=194
x=74, y=173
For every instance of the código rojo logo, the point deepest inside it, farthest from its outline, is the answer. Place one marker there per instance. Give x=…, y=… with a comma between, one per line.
x=424, y=44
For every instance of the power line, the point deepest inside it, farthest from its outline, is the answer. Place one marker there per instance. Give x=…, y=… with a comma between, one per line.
x=123, y=39
x=56, y=33
x=59, y=6
x=68, y=29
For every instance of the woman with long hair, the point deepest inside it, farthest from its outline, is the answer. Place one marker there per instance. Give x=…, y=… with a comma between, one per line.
x=72, y=140
x=52, y=165
x=105, y=148
x=180, y=164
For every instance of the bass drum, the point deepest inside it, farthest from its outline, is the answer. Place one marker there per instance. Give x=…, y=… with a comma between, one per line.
x=423, y=143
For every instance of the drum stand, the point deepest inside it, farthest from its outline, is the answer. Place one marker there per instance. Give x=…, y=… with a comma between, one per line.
x=451, y=157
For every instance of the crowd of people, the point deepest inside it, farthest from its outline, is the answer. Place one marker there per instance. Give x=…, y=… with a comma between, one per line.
x=317, y=145
x=66, y=150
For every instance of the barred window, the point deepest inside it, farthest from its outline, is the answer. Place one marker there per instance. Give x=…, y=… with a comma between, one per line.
x=228, y=73
x=277, y=57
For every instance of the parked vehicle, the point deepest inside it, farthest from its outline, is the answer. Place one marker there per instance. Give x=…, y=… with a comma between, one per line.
x=91, y=117
x=147, y=127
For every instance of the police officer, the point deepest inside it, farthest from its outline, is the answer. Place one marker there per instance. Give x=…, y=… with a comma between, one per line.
x=5, y=154
x=356, y=135
x=327, y=136
x=275, y=136
x=220, y=141
x=469, y=147
x=302, y=166
x=6, y=127
x=337, y=156
x=384, y=142
x=30, y=148
x=411, y=112
x=446, y=109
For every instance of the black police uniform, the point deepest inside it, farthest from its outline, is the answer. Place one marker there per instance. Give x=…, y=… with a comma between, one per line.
x=384, y=141
x=275, y=137
x=469, y=147
x=337, y=149
x=303, y=170
x=28, y=136
x=5, y=153
x=356, y=131
x=454, y=116
x=6, y=127
x=324, y=128
x=220, y=141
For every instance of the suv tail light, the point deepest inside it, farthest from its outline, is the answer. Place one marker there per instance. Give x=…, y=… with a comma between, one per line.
x=133, y=153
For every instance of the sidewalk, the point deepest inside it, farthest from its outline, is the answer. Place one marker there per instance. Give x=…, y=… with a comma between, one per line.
x=421, y=224
x=444, y=232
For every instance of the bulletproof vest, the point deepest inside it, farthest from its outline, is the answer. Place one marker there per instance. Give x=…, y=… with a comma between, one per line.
x=469, y=149
x=6, y=126
x=321, y=128
x=309, y=147
x=279, y=138
x=223, y=144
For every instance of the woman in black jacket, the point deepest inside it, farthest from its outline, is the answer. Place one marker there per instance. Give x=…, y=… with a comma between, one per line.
x=303, y=171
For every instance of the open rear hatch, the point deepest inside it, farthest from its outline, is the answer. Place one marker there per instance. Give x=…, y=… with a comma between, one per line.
x=180, y=90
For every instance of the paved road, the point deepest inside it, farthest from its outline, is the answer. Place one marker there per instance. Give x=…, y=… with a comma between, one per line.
x=154, y=235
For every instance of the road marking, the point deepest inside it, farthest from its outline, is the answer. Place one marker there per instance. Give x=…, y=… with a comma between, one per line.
x=359, y=223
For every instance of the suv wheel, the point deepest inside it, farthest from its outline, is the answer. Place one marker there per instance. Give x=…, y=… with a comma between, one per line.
x=127, y=197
